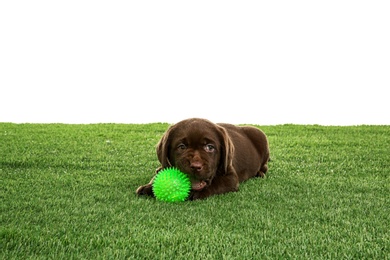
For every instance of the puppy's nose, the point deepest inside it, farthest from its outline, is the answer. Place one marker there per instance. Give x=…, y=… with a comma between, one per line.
x=196, y=166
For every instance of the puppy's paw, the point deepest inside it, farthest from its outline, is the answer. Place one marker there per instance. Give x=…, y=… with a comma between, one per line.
x=197, y=195
x=159, y=169
x=145, y=190
x=260, y=174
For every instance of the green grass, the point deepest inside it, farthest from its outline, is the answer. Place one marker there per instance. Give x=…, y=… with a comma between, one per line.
x=67, y=192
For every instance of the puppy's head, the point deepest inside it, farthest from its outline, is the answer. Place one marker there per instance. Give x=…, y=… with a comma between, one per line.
x=197, y=147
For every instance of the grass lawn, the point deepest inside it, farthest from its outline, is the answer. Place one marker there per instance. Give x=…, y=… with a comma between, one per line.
x=67, y=192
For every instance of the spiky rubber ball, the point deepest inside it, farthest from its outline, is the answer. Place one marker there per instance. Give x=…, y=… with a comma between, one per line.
x=171, y=185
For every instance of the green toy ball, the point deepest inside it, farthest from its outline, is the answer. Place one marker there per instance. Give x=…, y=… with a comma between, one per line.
x=171, y=185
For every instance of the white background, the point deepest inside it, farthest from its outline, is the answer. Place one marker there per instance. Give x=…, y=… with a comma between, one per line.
x=260, y=62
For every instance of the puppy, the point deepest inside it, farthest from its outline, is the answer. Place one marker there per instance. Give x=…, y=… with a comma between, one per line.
x=216, y=157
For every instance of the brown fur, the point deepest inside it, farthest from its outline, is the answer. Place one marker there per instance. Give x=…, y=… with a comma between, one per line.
x=215, y=156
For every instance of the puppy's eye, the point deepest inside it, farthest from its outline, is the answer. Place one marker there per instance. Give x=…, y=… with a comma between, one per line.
x=181, y=147
x=209, y=148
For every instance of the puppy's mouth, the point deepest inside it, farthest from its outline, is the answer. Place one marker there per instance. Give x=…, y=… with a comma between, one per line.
x=198, y=185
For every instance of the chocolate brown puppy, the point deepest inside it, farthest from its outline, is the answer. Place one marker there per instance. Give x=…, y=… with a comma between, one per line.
x=216, y=157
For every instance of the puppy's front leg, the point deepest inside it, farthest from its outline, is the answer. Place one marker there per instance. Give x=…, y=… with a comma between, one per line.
x=146, y=189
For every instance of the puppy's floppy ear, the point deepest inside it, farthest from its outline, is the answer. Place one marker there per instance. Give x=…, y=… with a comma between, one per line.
x=164, y=146
x=227, y=151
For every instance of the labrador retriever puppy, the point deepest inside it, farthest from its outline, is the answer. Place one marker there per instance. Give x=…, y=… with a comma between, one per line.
x=216, y=157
